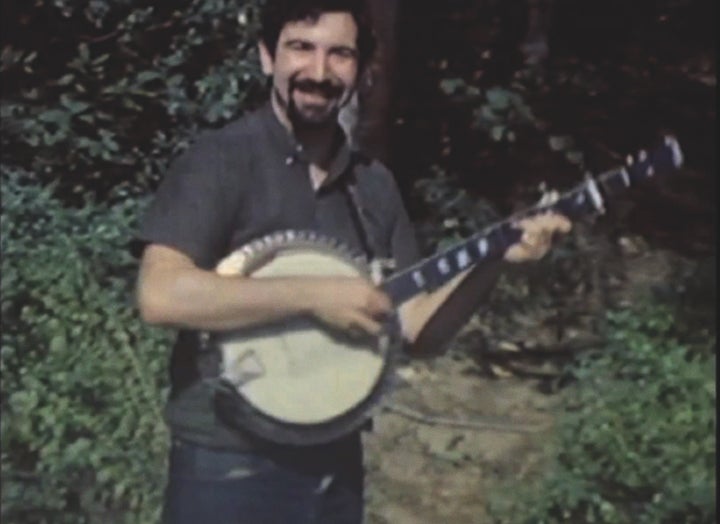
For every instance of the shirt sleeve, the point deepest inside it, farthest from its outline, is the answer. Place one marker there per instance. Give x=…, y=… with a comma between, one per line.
x=194, y=206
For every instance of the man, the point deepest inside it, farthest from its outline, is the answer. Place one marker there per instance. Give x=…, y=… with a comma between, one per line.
x=286, y=166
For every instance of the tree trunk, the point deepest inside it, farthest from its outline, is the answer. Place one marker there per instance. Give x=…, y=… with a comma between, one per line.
x=535, y=46
x=367, y=117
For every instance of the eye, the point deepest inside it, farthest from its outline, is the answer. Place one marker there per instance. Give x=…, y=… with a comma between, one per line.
x=299, y=45
x=345, y=52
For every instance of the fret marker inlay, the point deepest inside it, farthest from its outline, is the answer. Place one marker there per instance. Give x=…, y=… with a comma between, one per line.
x=483, y=247
x=444, y=266
x=463, y=259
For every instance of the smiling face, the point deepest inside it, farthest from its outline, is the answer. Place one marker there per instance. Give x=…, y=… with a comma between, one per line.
x=315, y=68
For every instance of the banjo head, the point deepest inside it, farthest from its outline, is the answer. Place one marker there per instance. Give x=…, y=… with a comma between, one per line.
x=297, y=381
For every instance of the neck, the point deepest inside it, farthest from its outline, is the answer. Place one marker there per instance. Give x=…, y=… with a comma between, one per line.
x=318, y=142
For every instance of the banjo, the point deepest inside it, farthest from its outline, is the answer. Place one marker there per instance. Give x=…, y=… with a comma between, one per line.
x=298, y=382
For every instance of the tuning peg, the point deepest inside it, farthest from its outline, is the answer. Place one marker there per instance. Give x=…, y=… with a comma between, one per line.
x=677, y=154
x=650, y=171
x=642, y=155
x=629, y=160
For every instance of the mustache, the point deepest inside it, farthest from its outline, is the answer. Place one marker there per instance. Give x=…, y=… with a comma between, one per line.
x=327, y=88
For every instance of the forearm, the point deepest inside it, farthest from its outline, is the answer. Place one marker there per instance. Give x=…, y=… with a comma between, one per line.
x=197, y=299
x=415, y=313
x=432, y=319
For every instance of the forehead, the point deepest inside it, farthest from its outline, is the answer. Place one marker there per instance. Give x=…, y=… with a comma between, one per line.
x=329, y=28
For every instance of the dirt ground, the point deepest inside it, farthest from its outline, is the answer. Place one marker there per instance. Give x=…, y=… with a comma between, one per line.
x=437, y=473
x=420, y=473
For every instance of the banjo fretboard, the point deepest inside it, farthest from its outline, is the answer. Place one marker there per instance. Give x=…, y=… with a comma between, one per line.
x=491, y=243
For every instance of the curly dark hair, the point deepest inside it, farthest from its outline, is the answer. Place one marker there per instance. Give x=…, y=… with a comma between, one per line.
x=276, y=13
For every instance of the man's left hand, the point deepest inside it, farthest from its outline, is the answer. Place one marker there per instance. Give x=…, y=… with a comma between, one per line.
x=538, y=232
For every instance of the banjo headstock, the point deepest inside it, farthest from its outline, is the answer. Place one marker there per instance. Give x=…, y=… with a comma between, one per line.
x=645, y=165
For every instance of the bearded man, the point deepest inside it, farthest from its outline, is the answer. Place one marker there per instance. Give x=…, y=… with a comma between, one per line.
x=286, y=166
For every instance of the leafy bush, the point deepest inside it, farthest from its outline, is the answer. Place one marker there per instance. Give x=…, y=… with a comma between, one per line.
x=101, y=94
x=637, y=444
x=83, y=379
x=497, y=111
x=454, y=212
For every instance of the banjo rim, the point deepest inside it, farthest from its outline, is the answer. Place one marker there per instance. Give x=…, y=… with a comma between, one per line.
x=236, y=410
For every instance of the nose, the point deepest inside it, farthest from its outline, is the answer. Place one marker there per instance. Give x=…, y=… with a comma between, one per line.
x=319, y=68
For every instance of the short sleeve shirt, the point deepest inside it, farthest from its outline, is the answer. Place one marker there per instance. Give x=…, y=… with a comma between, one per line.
x=241, y=182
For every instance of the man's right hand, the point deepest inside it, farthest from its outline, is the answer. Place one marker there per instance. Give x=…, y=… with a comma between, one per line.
x=172, y=291
x=349, y=304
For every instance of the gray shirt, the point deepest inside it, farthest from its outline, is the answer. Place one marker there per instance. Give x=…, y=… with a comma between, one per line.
x=245, y=180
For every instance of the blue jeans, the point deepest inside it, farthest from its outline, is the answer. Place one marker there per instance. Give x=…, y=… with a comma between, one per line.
x=318, y=485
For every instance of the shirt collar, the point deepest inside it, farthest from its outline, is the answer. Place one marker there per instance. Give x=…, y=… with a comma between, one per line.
x=292, y=151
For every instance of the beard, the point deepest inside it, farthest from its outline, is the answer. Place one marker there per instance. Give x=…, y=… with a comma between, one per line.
x=331, y=97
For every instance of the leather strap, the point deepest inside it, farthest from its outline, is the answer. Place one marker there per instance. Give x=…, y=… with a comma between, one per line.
x=357, y=216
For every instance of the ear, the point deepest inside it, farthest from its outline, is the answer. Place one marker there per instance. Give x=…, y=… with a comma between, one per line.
x=266, y=59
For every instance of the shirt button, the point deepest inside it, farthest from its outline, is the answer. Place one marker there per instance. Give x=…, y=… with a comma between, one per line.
x=289, y=161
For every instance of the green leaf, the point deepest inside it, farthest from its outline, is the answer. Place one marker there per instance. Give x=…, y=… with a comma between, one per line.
x=148, y=76
x=84, y=51
x=74, y=106
x=497, y=132
x=560, y=143
x=55, y=116
x=498, y=98
x=58, y=343
x=575, y=157
x=450, y=86
x=65, y=79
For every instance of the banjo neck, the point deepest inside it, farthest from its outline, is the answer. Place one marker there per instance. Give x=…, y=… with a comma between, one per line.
x=586, y=198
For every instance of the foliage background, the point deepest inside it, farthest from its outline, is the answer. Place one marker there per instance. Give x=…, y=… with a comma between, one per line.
x=98, y=96
x=637, y=443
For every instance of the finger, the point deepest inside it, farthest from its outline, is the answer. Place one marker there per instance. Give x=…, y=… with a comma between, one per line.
x=536, y=239
x=531, y=247
x=557, y=221
x=564, y=224
x=517, y=253
x=378, y=304
x=529, y=239
x=549, y=222
x=366, y=324
x=533, y=224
